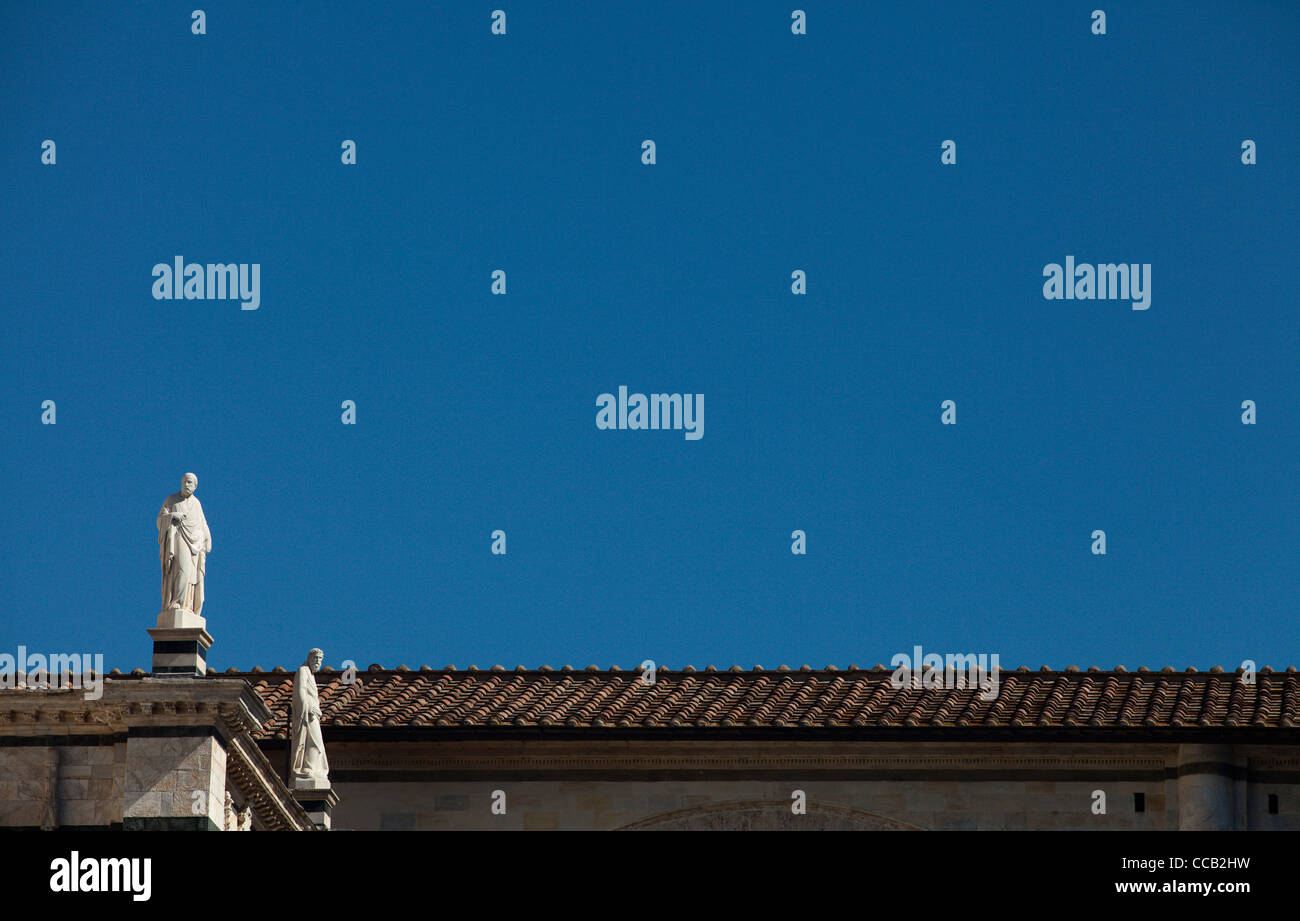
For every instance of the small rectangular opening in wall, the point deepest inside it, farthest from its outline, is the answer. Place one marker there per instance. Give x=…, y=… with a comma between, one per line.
x=1139, y=802
x=1272, y=804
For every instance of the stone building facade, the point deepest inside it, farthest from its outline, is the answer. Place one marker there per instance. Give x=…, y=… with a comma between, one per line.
x=149, y=754
x=587, y=749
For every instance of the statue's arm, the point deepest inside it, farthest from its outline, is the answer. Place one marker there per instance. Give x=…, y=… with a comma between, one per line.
x=165, y=550
x=305, y=700
x=207, y=533
x=165, y=517
x=313, y=703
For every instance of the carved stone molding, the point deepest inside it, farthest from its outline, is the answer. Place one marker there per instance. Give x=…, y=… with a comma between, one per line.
x=561, y=758
x=264, y=793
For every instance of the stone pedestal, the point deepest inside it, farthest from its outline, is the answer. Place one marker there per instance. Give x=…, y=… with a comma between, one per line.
x=180, y=617
x=317, y=799
x=175, y=778
x=180, y=651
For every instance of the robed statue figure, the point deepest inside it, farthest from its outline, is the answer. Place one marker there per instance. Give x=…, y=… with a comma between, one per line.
x=183, y=543
x=308, y=763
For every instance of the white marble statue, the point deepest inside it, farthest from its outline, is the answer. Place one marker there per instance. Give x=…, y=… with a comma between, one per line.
x=308, y=764
x=183, y=543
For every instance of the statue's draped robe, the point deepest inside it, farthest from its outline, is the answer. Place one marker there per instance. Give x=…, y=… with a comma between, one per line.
x=308, y=743
x=186, y=543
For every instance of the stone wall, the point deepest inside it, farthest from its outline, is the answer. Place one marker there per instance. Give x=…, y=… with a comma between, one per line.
x=75, y=784
x=150, y=754
x=581, y=785
x=175, y=783
x=586, y=805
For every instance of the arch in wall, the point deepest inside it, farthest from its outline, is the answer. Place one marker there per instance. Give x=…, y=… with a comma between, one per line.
x=762, y=815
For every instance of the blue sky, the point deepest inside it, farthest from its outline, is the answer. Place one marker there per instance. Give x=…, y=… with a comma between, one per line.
x=477, y=412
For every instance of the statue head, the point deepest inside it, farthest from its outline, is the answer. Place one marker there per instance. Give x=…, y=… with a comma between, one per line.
x=315, y=658
x=189, y=483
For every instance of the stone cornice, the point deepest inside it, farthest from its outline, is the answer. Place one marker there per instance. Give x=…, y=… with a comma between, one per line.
x=230, y=705
x=571, y=757
x=256, y=779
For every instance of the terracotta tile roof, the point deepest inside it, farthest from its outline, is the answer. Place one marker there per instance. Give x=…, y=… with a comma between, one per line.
x=825, y=699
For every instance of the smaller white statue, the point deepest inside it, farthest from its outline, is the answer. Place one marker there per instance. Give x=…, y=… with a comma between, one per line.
x=229, y=817
x=308, y=764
